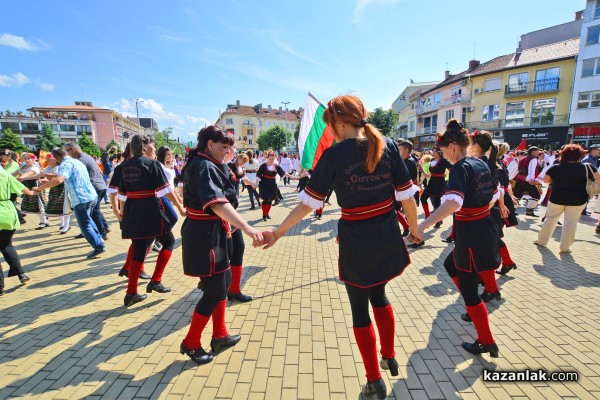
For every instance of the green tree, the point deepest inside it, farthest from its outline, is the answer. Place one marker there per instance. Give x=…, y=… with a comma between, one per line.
x=89, y=147
x=47, y=140
x=167, y=138
x=9, y=140
x=113, y=147
x=276, y=138
x=385, y=121
x=297, y=134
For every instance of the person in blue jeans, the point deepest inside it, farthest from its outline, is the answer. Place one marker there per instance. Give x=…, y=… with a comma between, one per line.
x=107, y=166
x=82, y=194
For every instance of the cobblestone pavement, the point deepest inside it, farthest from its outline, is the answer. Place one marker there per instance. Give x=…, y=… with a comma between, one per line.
x=67, y=335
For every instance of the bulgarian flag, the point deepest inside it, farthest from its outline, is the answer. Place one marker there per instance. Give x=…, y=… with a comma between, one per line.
x=315, y=136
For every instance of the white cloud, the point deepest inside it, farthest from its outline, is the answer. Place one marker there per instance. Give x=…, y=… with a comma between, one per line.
x=15, y=80
x=183, y=126
x=173, y=38
x=45, y=86
x=18, y=42
x=290, y=50
x=362, y=4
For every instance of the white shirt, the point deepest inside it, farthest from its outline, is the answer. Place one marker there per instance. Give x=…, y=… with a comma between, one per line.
x=170, y=174
x=513, y=169
x=532, y=169
x=286, y=164
x=296, y=164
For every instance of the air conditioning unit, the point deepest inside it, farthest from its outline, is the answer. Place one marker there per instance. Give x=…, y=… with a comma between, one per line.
x=498, y=134
x=478, y=91
x=463, y=82
x=471, y=108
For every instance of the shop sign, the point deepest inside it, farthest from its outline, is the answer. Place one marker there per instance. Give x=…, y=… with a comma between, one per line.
x=587, y=131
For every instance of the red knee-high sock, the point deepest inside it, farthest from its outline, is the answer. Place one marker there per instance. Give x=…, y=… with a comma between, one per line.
x=365, y=339
x=218, y=317
x=161, y=263
x=479, y=315
x=192, y=339
x=505, y=255
x=134, y=273
x=265, y=210
x=386, y=326
x=236, y=279
x=268, y=208
x=402, y=220
x=489, y=281
x=426, y=209
x=129, y=258
x=455, y=280
x=319, y=211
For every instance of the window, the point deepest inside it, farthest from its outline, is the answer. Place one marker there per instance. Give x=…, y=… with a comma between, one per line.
x=547, y=79
x=247, y=122
x=67, y=128
x=593, y=35
x=30, y=127
x=463, y=115
x=449, y=115
x=411, y=126
x=542, y=112
x=229, y=121
x=584, y=99
x=250, y=132
x=591, y=67
x=492, y=84
x=249, y=141
x=84, y=128
x=515, y=114
x=517, y=83
x=260, y=122
x=437, y=98
x=14, y=126
x=491, y=112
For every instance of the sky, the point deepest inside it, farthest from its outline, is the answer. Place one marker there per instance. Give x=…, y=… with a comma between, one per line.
x=188, y=59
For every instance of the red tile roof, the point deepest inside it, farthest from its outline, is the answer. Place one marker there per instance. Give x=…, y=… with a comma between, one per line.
x=549, y=52
x=68, y=108
x=264, y=112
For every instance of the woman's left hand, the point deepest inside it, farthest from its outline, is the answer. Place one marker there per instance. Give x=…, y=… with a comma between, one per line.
x=504, y=211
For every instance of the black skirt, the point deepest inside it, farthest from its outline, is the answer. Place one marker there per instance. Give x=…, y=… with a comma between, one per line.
x=512, y=219
x=205, y=247
x=267, y=190
x=372, y=251
x=476, y=245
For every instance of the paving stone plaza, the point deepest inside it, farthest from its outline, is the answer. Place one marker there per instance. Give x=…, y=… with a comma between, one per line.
x=66, y=334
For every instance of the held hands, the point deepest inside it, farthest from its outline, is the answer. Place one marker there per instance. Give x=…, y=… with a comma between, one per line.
x=257, y=237
x=269, y=240
x=416, y=235
x=36, y=189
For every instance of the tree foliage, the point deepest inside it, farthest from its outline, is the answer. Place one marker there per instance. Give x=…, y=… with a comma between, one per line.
x=47, y=140
x=297, y=135
x=113, y=147
x=385, y=121
x=167, y=138
x=89, y=147
x=276, y=138
x=11, y=141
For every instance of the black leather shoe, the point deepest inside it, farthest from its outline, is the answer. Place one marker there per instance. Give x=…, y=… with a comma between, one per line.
x=377, y=387
x=416, y=245
x=144, y=275
x=199, y=356
x=200, y=285
x=506, y=269
x=131, y=299
x=124, y=272
x=438, y=224
x=244, y=298
x=157, y=287
x=22, y=221
x=466, y=317
x=449, y=239
x=531, y=213
x=80, y=236
x=268, y=216
x=230, y=340
x=24, y=278
x=252, y=208
x=96, y=253
x=265, y=218
x=485, y=296
x=478, y=348
x=1, y=292
x=405, y=233
x=389, y=363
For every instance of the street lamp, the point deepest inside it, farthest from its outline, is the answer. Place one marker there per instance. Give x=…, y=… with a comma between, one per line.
x=137, y=112
x=285, y=103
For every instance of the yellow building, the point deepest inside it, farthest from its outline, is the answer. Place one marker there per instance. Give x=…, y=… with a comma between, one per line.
x=529, y=98
x=247, y=122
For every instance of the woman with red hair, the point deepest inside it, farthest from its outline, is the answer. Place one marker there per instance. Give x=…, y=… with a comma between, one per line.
x=568, y=197
x=367, y=173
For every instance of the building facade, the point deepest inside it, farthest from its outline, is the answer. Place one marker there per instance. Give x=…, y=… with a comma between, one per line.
x=69, y=122
x=246, y=123
x=585, y=103
x=405, y=107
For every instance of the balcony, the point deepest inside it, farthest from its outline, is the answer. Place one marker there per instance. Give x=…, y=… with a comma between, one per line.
x=458, y=99
x=426, y=131
x=534, y=87
x=516, y=123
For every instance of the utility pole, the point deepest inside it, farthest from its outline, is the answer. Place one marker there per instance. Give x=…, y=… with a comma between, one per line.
x=285, y=103
x=137, y=112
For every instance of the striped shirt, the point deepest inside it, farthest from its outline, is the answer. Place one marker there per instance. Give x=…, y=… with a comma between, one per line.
x=77, y=181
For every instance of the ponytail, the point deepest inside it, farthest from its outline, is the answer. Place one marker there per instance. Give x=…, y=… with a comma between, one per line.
x=375, y=147
x=493, y=159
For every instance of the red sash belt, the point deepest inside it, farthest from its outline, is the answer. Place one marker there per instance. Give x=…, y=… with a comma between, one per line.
x=199, y=215
x=366, y=212
x=472, y=214
x=435, y=175
x=141, y=194
x=267, y=177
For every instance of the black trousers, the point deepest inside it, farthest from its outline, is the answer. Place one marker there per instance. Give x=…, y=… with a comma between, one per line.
x=435, y=200
x=238, y=247
x=10, y=255
x=359, y=302
x=141, y=246
x=215, y=290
